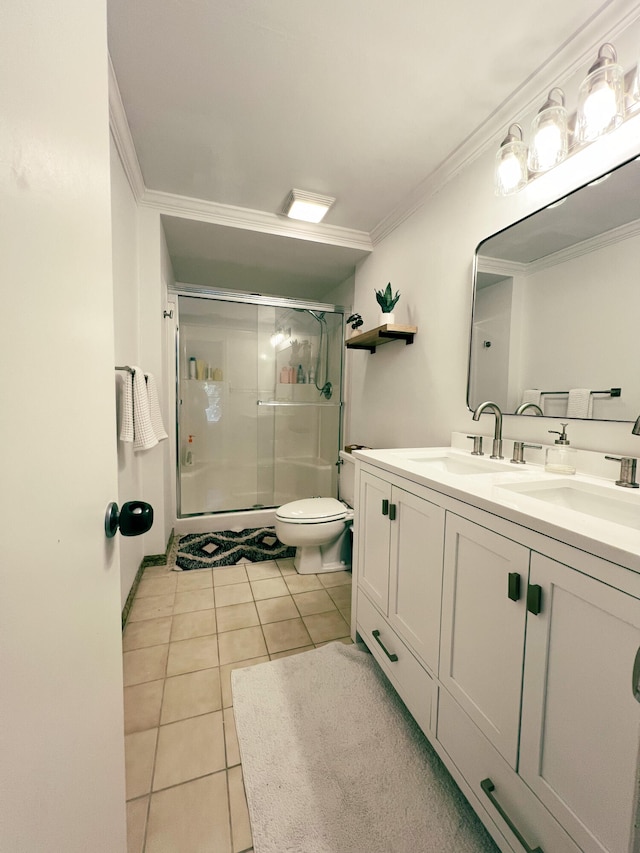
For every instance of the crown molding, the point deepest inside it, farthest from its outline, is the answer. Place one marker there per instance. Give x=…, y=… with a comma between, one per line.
x=593, y=244
x=605, y=25
x=121, y=133
x=209, y=211
x=498, y=266
x=254, y=220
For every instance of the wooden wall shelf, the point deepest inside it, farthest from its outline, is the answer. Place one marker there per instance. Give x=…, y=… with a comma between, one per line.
x=381, y=335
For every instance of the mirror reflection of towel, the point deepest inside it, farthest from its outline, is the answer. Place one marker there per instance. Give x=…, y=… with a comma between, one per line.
x=580, y=404
x=532, y=396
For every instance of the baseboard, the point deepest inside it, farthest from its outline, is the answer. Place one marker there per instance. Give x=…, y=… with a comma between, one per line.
x=151, y=560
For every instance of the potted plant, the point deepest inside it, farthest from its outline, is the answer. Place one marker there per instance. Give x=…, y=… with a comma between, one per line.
x=356, y=321
x=386, y=301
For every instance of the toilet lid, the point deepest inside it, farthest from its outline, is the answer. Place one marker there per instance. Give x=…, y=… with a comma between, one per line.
x=312, y=510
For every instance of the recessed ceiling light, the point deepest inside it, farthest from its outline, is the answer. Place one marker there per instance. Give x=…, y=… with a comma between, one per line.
x=308, y=207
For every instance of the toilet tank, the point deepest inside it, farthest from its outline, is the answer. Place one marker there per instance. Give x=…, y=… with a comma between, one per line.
x=346, y=479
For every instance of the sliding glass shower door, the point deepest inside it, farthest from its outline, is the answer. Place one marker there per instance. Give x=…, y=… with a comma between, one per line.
x=259, y=403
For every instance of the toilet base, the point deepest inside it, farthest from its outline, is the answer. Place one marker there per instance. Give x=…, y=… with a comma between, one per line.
x=308, y=561
x=334, y=556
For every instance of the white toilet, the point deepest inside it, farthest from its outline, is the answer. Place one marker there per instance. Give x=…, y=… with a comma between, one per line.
x=320, y=527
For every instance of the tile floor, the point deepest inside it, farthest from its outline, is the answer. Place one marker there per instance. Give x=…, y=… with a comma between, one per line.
x=185, y=633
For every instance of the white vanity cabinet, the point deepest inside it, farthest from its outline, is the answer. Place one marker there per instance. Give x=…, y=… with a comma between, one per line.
x=580, y=720
x=483, y=622
x=400, y=562
x=399, y=540
x=537, y=667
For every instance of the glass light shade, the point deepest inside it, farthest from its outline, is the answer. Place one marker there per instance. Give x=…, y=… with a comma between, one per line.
x=306, y=206
x=511, y=167
x=307, y=211
x=600, y=99
x=549, y=138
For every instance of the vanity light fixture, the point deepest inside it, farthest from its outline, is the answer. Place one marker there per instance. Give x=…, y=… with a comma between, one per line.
x=549, y=133
x=306, y=206
x=511, y=163
x=603, y=104
x=601, y=96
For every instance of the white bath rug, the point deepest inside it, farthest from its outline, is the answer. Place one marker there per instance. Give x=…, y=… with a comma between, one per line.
x=334, y=763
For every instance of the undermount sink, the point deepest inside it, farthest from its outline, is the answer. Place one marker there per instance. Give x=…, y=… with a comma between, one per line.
x=589, y=499
x=453, y=464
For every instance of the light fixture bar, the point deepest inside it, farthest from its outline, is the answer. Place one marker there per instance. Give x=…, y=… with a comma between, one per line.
x=306, y=206
x=607, y=97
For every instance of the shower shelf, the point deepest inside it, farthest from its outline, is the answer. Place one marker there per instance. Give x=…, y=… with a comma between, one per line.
x=381, y=335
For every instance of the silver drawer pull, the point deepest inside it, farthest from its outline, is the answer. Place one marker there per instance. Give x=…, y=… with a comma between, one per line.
x=488, y=787
x=376, y=636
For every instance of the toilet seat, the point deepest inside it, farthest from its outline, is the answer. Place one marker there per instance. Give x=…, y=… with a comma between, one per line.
x=312, y=511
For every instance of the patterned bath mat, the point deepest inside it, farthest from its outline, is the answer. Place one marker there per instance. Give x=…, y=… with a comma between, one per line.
x=228, y=547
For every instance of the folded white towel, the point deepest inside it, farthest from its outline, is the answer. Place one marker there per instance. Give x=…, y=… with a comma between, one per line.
x=580, y=404
x=125, y=382
x=154, y=408
x=532, y=396
x=143, y=435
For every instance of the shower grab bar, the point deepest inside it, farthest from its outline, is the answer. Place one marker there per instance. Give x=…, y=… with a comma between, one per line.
x=277, y=403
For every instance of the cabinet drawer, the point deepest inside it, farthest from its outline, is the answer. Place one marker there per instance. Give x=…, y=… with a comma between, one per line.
x=415, y=686
x=477, y=760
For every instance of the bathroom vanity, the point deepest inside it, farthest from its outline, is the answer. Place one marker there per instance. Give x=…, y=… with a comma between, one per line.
x=503, y=604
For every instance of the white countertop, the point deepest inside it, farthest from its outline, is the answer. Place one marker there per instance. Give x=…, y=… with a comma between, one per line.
x=617, y=542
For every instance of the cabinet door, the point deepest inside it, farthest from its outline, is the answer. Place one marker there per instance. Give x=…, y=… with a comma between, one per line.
x=415, y=587
x=373, y=539
x=482, y=644
x=580, y=719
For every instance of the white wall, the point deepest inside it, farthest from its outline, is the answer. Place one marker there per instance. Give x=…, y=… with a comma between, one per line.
x=154, y=274
x=166, y=387
x=124, y=217
x=492, y=326
x=415, y=395
x=563, y=299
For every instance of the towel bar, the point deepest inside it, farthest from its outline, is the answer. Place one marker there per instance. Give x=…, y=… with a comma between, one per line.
x=612, y=392
x=127, y=368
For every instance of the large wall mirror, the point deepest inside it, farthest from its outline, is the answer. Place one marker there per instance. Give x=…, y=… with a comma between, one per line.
x=557, y=306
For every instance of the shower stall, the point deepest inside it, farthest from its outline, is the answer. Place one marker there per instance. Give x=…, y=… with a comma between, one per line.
x=259, y=396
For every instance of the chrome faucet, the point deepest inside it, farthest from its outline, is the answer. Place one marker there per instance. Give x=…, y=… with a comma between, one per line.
x=522, y=408
x=497, y=434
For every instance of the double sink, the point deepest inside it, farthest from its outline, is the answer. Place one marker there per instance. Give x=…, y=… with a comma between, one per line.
x=608, y=503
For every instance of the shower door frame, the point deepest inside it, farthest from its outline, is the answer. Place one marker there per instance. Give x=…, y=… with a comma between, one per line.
x=253, y=299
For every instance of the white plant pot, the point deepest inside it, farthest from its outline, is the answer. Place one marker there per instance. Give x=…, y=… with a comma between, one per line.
x=386, y=319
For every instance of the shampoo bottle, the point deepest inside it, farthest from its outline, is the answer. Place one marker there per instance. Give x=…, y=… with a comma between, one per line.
x=300, y=375
x=561, y=459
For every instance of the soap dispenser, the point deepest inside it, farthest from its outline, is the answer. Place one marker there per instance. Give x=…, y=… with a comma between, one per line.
x=561, y=459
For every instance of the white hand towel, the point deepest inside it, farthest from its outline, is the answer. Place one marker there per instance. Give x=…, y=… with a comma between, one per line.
x=154, y=408
x=125, y=382
x=580, y=404
x=532, y=396
x=143, y=435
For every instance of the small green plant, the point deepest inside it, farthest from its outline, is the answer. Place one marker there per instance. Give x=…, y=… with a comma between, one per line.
x=356, y=321
x=386, y=299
